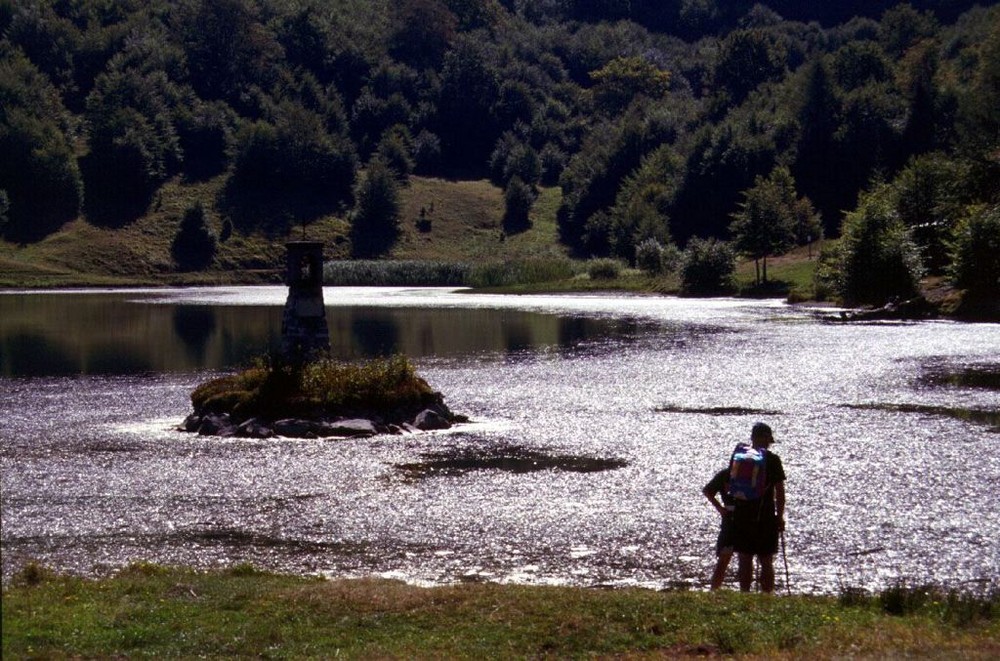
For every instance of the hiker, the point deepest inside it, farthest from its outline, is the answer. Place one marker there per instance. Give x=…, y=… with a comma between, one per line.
x=718, y=487
x=759, y=514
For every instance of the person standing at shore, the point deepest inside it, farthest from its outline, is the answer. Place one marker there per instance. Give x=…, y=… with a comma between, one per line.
x=759, y=521
x=717, y=492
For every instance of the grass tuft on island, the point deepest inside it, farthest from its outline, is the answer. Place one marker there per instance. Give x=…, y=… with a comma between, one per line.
x=153, y=611
x=387, y=389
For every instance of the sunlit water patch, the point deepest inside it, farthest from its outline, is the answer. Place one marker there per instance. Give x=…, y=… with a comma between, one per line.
x=596, y=421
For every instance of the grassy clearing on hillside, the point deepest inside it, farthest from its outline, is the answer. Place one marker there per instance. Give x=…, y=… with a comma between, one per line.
x=147, y=610
x=465, y=219
x=788, y=275
x=139, y=253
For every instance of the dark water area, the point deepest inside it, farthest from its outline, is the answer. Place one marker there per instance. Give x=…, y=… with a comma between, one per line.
x=65, y=334
x=596, y=420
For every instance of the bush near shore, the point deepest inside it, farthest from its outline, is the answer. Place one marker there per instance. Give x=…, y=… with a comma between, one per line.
x=148, y=610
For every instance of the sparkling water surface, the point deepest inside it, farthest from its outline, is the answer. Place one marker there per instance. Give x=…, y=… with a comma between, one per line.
x=596, y=420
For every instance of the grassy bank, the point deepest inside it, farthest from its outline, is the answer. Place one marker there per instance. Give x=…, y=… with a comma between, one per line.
x=152, y=611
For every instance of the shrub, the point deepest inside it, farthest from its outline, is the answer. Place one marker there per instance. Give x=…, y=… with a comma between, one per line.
x=878, y=259
x=649, y=256
x=33, y=574
x=707, y=268
x=426, y=152
x=518, y=199
x=375, y=225
x=671, y=258
x=194, y=245
x=604, y=269
x=394, y=149
x=527, y=272
x=976, y=254
x=826, y=277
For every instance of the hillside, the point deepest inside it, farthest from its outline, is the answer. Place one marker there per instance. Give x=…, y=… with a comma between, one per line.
x=465, y=226
x=184, y=140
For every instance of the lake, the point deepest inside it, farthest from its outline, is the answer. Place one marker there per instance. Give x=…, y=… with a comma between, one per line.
x=596, y=420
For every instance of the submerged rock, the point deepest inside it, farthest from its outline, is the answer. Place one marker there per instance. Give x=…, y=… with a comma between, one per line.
x=429, y=420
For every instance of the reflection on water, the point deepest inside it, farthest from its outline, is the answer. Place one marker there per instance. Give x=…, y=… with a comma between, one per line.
x=597, y=420
x=119, y=333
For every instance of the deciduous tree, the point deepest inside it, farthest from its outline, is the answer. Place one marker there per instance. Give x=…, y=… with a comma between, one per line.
x=878, y=259
x=194, y=245
x=38, y=169
x=765, y=224
x=375, y=221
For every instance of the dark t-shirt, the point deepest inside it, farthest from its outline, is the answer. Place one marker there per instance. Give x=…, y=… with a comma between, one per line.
x=763, y=510
x=719, y=484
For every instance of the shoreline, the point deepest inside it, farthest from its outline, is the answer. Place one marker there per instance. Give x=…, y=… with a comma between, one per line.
x=934, y=307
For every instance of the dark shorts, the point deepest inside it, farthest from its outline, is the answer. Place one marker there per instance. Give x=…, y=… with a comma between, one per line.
x=759, y=537
x=726, y=536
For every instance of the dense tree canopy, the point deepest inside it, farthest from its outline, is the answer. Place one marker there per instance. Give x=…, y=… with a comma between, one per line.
x=655, y=117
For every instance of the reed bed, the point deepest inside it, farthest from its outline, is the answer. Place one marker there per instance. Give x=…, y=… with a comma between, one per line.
x=413, y=273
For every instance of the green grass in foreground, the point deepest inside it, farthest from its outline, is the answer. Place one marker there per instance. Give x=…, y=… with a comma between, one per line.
x=147, y=610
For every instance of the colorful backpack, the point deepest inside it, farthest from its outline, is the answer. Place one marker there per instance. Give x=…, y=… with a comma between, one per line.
x=748, y=472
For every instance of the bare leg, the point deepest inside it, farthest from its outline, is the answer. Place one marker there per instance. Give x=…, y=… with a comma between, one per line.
x=720, y=570
x=767, y=573
x=745, y=571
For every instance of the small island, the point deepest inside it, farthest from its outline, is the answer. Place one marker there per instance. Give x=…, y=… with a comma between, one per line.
x=321, y=398
x=302, y=392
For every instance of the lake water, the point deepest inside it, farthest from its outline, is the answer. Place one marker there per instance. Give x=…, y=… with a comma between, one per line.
x=596, y=420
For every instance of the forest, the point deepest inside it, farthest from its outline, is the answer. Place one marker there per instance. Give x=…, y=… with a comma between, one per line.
x=668, y=125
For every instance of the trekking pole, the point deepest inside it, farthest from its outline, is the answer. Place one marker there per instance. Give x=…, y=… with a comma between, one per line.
x=784, y=556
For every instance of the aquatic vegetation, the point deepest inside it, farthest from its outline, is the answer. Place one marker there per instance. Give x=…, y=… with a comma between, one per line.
x=275, y=388
x=395, y=273
x=418, y=273
x=521, y=272
x=715, y=410
x=986, y=376
x=978, y=416
x=512, y=459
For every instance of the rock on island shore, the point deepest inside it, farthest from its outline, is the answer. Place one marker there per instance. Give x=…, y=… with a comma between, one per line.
x=207, y=423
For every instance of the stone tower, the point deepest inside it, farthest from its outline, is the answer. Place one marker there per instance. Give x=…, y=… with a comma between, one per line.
x=304, y=332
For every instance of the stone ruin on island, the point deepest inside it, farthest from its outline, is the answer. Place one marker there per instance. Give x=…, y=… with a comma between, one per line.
x=304, y=331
